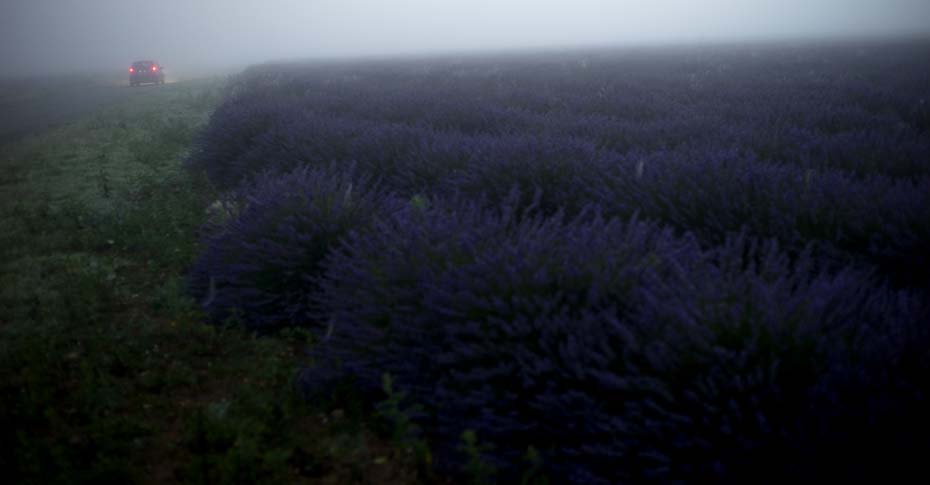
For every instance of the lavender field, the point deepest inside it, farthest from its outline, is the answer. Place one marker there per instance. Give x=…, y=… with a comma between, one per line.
x=676, y=264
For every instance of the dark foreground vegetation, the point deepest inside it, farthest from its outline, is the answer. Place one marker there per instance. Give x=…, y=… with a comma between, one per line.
x=693, y=264
x=670, y=265
x=107, y=372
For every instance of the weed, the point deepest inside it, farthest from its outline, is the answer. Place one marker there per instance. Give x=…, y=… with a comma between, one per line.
x=533, y=475
x=404, y=432
x=477, y=469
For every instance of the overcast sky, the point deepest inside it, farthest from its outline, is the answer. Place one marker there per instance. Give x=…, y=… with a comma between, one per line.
x=61, y=35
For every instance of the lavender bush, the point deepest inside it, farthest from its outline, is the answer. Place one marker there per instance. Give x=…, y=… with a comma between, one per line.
x=259, y=262
x=621, y=351
x=683, y=265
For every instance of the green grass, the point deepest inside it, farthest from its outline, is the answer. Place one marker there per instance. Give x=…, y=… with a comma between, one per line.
x=107, y=372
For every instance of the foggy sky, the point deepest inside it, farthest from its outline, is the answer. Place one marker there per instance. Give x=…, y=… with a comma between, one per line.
x=39, y=36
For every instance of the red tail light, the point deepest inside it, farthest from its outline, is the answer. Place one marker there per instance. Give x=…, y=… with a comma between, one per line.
x=132, y=70
x=154, y=68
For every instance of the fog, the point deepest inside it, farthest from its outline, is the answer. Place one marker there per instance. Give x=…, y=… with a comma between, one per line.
x=40, y=36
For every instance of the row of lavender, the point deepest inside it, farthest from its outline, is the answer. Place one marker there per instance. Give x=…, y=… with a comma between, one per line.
x=665, y=264
x=709, y=190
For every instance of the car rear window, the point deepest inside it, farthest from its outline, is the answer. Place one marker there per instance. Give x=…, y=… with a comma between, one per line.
x=142, y=65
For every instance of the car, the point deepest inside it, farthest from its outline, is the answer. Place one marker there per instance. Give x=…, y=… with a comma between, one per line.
x=146, y=72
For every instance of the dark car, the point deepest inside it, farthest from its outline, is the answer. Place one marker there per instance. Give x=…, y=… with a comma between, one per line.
x=146, y=72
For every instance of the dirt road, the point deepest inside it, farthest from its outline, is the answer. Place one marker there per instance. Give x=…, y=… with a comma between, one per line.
x=36, y=104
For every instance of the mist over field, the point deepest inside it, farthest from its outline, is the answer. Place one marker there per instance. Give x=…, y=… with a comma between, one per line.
x=464, y=241
x=54, y=36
